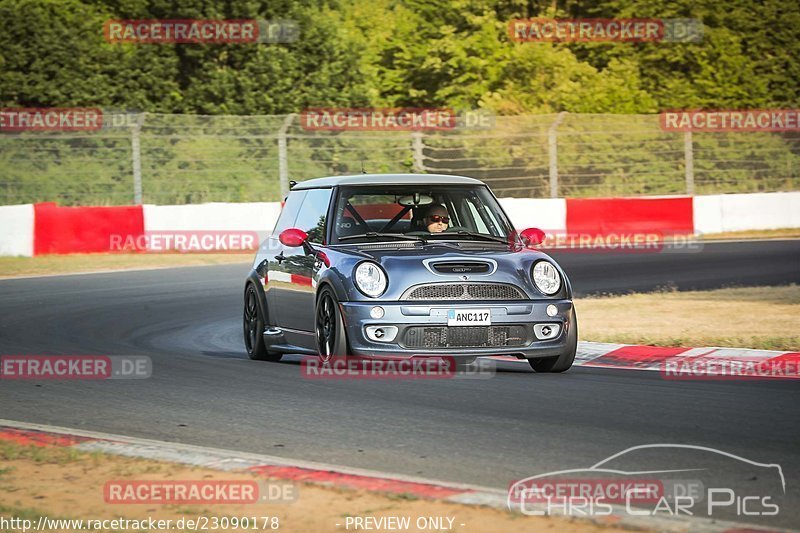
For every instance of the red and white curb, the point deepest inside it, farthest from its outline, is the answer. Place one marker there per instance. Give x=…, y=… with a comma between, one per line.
x=229, y=460
x=664, y=359
x=320, y=473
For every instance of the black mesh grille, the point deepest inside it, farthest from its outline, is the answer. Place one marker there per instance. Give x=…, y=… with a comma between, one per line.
x=493, y=292
x=438, y=292
x=464, y=336
x=465, y=291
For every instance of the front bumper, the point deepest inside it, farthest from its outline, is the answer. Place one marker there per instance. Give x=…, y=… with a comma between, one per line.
x=409, y=317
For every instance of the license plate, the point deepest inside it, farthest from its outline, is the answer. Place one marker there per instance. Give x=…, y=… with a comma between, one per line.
x=469, y=317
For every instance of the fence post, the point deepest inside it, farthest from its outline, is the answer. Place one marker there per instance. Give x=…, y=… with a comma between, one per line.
x=283, y=161
x=418, y=146
x=136, y=154
x=552, y=145
x=688, y=156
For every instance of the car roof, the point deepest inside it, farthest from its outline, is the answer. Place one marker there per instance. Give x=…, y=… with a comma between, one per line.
x=386, y=179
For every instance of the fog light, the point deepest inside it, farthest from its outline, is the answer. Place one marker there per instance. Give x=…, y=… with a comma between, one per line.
x=376, y=312
x=552, y=310
x=381, y=333
x=546, y=331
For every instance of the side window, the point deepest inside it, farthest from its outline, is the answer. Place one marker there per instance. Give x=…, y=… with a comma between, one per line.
x=289, y=212
x=311, y=218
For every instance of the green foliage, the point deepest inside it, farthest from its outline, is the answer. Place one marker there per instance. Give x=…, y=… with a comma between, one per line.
x=53, y=53
x=746, y=59
x=393, y=53
x=415, y=53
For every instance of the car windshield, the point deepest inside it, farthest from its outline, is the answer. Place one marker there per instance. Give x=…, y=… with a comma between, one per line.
x=429, y=212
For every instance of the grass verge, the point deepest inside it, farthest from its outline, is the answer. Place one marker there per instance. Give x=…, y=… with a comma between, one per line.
x=69, y=484
x=788, y=233
x=752, y=317
x=66, y=264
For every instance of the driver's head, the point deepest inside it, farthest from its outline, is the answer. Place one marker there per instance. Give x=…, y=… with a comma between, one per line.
x=436, y=218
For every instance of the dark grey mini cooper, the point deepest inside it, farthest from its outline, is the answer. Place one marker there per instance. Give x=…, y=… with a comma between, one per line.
x=406, y=266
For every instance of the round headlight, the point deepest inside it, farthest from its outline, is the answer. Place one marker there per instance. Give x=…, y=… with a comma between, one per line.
x=370, y=279
x=546, y=278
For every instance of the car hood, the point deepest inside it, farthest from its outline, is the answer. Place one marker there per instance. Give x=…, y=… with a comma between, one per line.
x=410, y=264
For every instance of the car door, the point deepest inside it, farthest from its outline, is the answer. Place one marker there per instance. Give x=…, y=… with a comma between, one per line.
x=275, y=286
x=296, y=309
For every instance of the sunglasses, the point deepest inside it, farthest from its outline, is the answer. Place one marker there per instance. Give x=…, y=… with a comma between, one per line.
x=439, y=218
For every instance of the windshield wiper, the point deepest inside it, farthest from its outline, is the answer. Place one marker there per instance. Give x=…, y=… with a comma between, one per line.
x=372, y=234
x=474, y=234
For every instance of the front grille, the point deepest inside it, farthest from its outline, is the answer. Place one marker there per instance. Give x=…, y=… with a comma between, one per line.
x=464, y=291
x=461, y=267
x=464, y=336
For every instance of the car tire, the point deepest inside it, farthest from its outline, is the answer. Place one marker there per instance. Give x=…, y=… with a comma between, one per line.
x=564, y=361
x=253, y=326
x=329, y=332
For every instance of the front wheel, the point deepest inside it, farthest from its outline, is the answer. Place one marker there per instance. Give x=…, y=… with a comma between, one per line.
x=253, y=329
x=564, y=361
x=329, y=326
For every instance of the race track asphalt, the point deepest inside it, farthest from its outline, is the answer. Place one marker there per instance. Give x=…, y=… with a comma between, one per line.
x=204, y=390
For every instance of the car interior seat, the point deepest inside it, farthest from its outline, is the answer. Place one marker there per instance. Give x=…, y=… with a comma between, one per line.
x=417, y=222
x=347, y=226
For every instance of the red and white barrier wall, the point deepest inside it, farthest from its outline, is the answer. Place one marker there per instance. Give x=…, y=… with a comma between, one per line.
x=255, y=216
x=65, y=230
x=45, y=228
x=16, y=230
x=740, y=212
x=662, y=215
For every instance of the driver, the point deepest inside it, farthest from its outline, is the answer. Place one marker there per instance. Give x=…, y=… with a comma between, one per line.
x=436, y=218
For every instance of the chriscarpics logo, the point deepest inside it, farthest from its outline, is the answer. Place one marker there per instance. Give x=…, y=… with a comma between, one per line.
x=657, y=480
